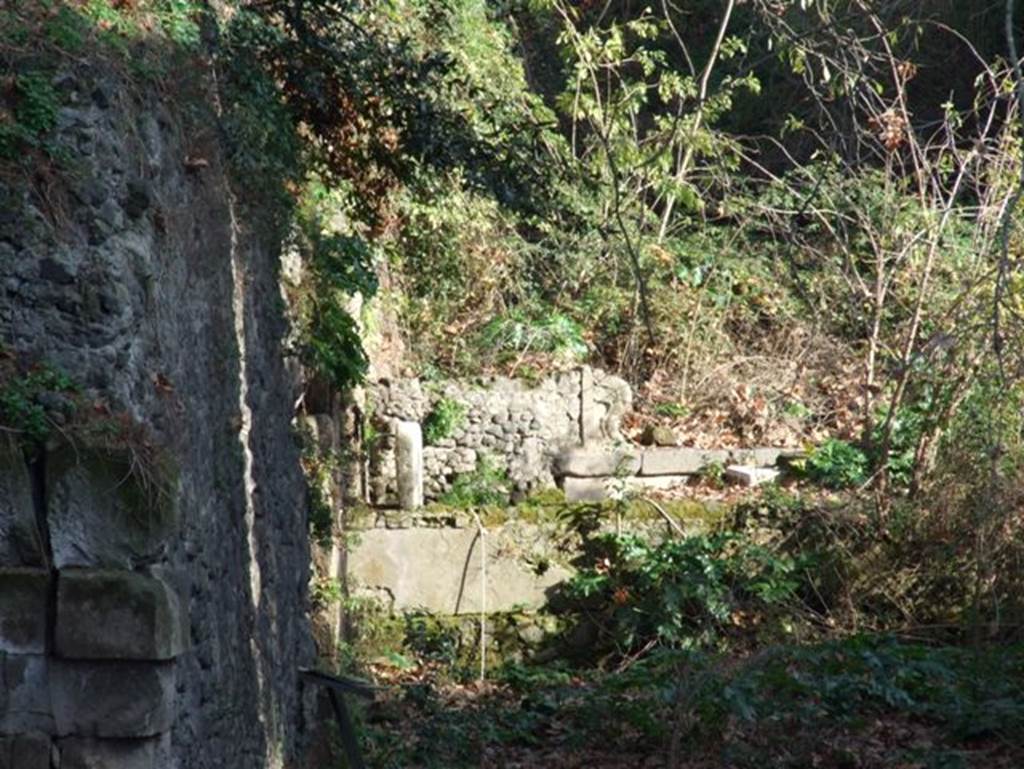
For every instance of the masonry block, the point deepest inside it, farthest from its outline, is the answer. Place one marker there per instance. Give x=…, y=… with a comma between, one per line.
x=591, y=463
x=25, y=751
x=680, y=461
x=746, y=475
x=98, y=513
x=585, y=489
x=762, y=457
x=112, y=699
x=23, y=598
x=25, y=704
x=20, y=543
x=90, y=753
x=121, y=615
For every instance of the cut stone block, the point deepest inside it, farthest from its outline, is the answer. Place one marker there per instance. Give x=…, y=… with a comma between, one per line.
x=680, y=461
x=112, y=699
x=86, y=753
x=25, y=694
x=747, y=475
x=25, y=751
x=585, y=489
x=20, y=543
x=24, y=594
x=98, y=514
x=117, y=615
x=409, y=464
x=590, y=463
x=391, y=563
x=762, y=457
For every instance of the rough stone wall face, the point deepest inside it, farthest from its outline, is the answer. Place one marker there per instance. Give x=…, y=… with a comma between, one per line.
x=519, y=427
x=141, y=278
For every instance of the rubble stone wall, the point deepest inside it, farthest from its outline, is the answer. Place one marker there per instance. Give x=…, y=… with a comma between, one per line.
x=518, y=427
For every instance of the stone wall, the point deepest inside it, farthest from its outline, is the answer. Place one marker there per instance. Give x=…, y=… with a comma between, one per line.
x=521, y=427
x=144, y=278
x=91, y=627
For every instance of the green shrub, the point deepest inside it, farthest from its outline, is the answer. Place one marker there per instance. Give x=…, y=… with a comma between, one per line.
x=35, y=112
x=837, y=464
x=542, y=330
x=486, y=486
x=444, y=419
x=683, y=593
x=23, y=399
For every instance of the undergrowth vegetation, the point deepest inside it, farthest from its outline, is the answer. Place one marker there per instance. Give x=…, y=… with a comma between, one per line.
x=784, y=221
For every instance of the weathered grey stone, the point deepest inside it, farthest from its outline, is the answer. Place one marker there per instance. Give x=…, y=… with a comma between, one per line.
x=762, y=456
x=117, y=615
x=659, y=435
x=593, y=462
x=679, y=461
x=409, y=464
x=99, y=516
x=585, y=489
x=395, y=562
x=25, y=751
x=112, y=699
x=20, y=541
x=614, y=399
x=24, y=594
x=89, y=753
x=747, y=475
x=25, y=694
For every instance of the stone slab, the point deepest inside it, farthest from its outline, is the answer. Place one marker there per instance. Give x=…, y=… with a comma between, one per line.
x=747, y=475
x=121, y=615
x=592, y=462
x=20, y=542
x=439, y=570
x=112, y=699
x=25, y=703
x=762, y=456
x=98, y=515
x=601, y=489
x=680, y=461
x=89, y=753
x=25, y=751
x=24, y=594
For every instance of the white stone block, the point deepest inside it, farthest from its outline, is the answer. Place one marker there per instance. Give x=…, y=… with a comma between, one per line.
x=409, y=464
x=747, y=475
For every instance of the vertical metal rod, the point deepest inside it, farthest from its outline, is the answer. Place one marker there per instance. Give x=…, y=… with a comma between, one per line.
x=348, y=733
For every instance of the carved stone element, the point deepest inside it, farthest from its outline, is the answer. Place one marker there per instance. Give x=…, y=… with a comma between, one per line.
x=98, y=514
x=112, y=699
x=117, y=615
x=589, y=463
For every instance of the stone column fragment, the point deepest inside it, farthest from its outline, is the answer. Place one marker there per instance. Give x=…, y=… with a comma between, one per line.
x=409, y=464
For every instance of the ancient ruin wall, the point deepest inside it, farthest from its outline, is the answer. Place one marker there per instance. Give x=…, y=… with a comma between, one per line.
x=519, y=427
x=139, y=275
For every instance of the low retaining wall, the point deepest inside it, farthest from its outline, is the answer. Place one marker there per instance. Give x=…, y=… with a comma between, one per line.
x=519, y=427
x=563, y=430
